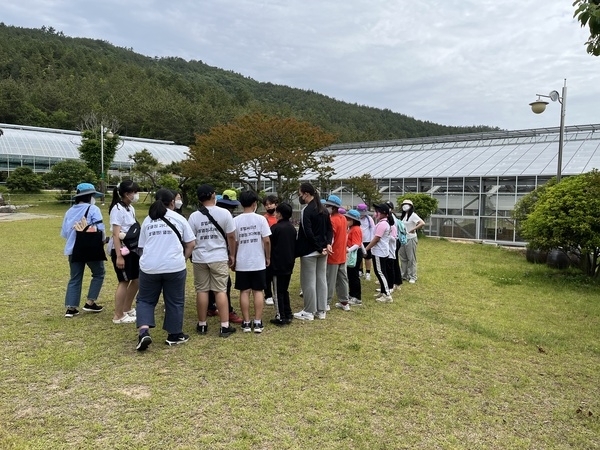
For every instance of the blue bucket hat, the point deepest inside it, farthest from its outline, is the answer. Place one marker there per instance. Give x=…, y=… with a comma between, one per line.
x=353, y=214
x=333, y=200
x=86, y=189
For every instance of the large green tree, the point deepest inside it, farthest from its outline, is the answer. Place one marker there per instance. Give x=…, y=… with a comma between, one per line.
x=588, y=14
x=364, y=187
x=567, y=215
x=91, y=150
x=258, y=147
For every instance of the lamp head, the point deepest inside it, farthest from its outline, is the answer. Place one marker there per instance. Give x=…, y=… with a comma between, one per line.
x=109, y=134
x=539, y=106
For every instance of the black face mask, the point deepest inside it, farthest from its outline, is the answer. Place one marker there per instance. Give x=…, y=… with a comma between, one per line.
x=271, y=211
x=301, y=200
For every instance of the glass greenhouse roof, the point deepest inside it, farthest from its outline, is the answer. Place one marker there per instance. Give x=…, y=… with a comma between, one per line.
x=503, y=153
x=45, y=142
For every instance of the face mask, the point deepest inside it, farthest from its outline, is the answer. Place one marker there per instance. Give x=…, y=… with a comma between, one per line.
x=301, y=200
x=136, y=198
x=178, y=204
x=271, y=211
x=405, y=208
x=93, y=201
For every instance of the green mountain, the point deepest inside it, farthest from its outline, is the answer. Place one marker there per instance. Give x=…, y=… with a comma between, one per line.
x=50, y=80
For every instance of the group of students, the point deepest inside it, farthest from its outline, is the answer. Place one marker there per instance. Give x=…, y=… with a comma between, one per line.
x=260, y=249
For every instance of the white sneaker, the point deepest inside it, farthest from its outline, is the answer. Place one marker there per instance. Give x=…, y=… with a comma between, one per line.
x=396, y=287
x=354, y=301
x=345, y=307
x=327, y=308
x=125, y=319
x=368, y=276
x=385, y=299
x=269, y=301
x=320, y=315
x=412, y=281
x=303, y=315
x=131, y=312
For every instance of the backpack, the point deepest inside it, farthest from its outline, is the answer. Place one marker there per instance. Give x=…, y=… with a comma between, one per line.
x=401, y=232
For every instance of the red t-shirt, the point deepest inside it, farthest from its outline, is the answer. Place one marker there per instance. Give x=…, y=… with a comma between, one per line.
x=340, y=237
x=355, y=236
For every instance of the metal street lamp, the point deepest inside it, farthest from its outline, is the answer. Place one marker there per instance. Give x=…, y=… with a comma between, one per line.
x=109, y=135
x=539, y=106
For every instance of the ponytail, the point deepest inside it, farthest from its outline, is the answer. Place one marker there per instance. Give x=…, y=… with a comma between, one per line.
x=158, y=209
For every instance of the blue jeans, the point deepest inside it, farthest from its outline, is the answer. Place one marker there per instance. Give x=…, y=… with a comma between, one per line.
x=73, y=295
x=172, y=286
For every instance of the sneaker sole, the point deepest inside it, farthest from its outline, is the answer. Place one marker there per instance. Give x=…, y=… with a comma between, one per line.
x=258, y=330
x=144, y=343
x=304, y=318
x=170, y=343
x=93, y=310
x=247, y=330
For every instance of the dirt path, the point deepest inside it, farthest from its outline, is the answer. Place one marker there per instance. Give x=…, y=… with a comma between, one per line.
x=9, y=217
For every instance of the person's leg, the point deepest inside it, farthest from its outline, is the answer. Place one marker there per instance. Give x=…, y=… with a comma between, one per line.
x=120, y=299
x=174, y=295
x=368, y=262
x=201, y=306
x=354, y=288
x=331, y=273
x=396, y=268
x=341, y=286
x=132, y=262
x=268, y=288
x=403, y=254
x=411, y=253
x=379, y=267
x=389, y=273
x=98, y=273
x=73, y=294
x=308, y=280
x=147, y=299
x=132, y=289
x=259, y=303
x=245, y=304
x=321, y=282
x=283, y=297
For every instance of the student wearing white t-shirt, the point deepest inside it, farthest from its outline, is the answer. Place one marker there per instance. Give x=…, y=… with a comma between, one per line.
x=213, y=255
x=125, y=263
x=252, y=233
x=408, y=252
x=380, y=249
x=166, y=241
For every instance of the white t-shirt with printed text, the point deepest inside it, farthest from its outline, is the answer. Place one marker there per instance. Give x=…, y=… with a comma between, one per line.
x=163, y=252
x=250, y=229
x=211, y=246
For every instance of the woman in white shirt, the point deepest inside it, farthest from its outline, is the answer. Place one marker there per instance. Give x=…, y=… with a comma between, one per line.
x=380, y=249
x=166, y=241
x=408, y=252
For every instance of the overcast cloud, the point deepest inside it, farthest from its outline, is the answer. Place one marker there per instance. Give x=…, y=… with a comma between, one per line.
x=453, y=62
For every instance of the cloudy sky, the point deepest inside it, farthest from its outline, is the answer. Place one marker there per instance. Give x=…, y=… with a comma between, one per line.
x=453, y=62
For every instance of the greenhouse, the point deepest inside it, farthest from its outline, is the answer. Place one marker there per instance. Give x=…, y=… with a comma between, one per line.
x=41, y=148
x=476, y=178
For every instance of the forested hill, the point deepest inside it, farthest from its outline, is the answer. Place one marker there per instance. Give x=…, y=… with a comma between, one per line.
x=51, y=80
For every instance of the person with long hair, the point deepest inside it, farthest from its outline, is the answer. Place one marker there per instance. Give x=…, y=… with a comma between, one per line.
x=313, y=244
x=380, y=249
x=125, y=263
x=166, y=241
x=408, y=252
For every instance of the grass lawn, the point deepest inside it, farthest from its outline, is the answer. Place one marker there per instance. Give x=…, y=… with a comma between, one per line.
x=484, y=351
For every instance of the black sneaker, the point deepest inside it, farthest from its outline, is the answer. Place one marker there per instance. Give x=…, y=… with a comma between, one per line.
x=201, y=329
x=226, y=332
x=175, y=339
x=258, y=327
x=92, y=308
x=278, y=322
x=71, y=312
x=144, y=340
x=246, y=327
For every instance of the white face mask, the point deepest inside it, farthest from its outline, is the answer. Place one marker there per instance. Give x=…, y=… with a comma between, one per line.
x=178, y=204
x=93, y=201
x=405, y=208
x=136, y=198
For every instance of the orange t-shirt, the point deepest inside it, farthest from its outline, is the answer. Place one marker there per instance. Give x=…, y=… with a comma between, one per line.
x=340, y=236
x=271, y=219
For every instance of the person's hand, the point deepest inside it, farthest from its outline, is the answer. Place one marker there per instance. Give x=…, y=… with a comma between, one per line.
x=329, y=250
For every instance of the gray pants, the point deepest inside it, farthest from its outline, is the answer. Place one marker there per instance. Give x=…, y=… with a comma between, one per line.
x=313, y=281
x=408, y=257
x=337, y=279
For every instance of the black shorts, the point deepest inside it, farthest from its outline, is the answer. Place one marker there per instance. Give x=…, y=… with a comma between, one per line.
x=131, y=271
x=255, y=280
x=369, y=255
